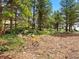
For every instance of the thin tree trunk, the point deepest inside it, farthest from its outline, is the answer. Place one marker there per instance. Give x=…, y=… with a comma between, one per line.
x=70, y=27
x=0, y=26
x=15, y=23
x=34, y=11
x=11, y=24
x=0, y=18
x=39, y=21
x=15, y=19
x=66, y=27
x=57, y=26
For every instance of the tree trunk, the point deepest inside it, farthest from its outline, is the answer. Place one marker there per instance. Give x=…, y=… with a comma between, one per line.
x=57, y=26
x=4, y=27
x=66, y=27
x=15, y=24
x=0, y=18
x=39, y=21
x=70, y=27
x=11, y=24
x=15, y=18
x=34, y=11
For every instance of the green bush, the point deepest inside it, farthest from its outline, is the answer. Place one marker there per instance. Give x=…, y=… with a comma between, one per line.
x=47, y=32
x=4, y=48
x=13, y=41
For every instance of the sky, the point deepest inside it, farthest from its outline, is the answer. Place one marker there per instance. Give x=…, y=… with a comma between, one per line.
x=56, y=4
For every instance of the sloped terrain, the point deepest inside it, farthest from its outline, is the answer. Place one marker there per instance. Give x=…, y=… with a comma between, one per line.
x=46, y=47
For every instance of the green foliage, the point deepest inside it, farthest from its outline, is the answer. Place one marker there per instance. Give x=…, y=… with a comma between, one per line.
x=9, y=14
x=69, y=11
x=47, y=32
x=25, y=10
x=4, y=48
x=58, y=17
x=13, y=41
x=43, y=11
x=38, y=32
x=24, y=13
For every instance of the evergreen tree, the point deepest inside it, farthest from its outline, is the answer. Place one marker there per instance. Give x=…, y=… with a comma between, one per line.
x=69, y=11
x=44, y=9
x=58, y=19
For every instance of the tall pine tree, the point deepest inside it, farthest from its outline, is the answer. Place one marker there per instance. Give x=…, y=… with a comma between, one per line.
x=69, y=11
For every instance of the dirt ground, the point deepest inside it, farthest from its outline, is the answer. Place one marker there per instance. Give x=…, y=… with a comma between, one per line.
x=47, y=47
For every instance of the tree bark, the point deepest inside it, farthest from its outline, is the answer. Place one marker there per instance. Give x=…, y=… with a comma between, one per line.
x=70, y=27
x=34, y=11
x=39, y=21
x=66, y=27
x=11, y=24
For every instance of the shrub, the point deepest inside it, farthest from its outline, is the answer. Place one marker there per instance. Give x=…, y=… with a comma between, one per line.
x=4, y=48
x=13, y=41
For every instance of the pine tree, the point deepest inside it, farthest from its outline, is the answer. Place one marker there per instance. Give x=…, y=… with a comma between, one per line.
x=69, y=10
x=44, y=9
x=58, y=19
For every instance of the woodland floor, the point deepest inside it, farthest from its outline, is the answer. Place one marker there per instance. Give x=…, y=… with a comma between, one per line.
x=46, y=47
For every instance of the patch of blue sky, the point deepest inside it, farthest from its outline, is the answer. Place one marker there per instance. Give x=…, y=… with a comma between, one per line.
x=55, y=4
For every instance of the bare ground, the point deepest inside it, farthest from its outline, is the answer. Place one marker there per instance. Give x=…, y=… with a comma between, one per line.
x=46, y=47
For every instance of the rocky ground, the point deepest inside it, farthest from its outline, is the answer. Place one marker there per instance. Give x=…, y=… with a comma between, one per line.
x=46, y=47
